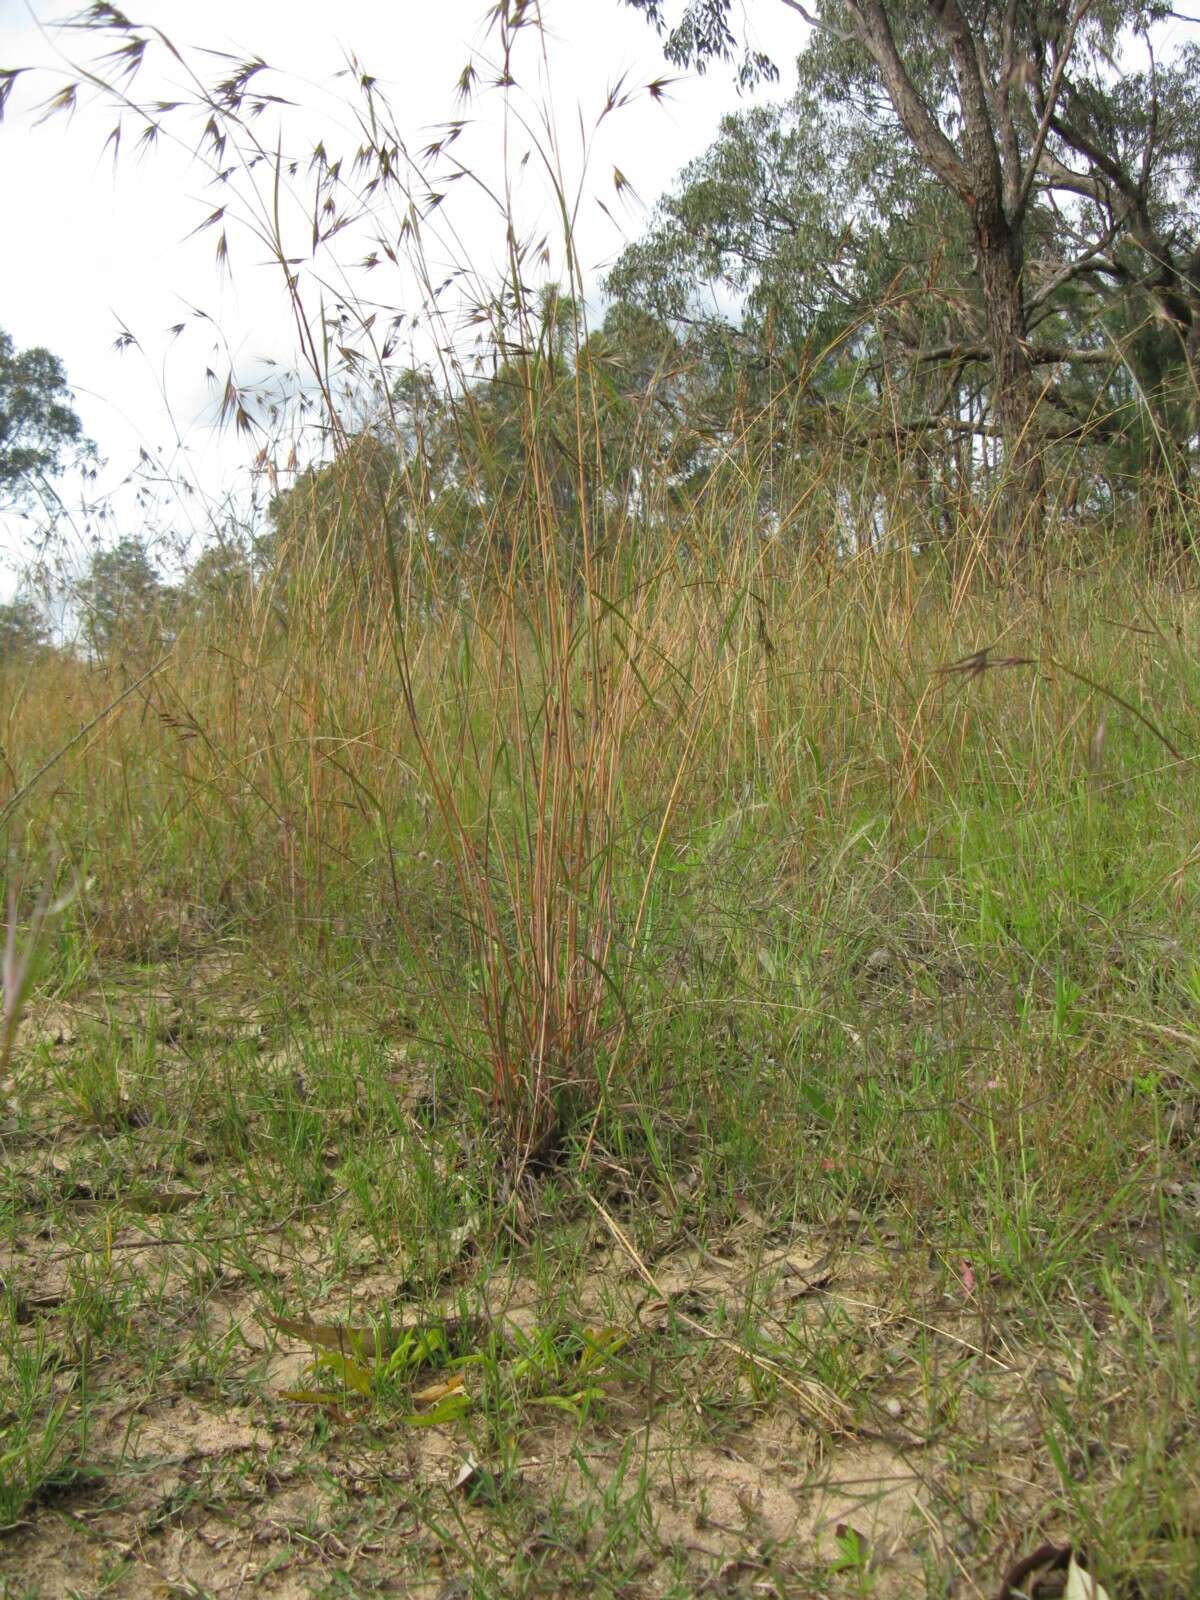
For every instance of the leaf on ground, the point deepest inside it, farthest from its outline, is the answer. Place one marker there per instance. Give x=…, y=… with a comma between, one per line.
x=350, y=1372
x=462, y=1240
x=599, y=1344
x=653, y=1314
x=361, y=1342
x=574, y=1405
x=1081, y=1585
x=439, y=1391
x=419, y=1347
x=408, y=1344
x=467, y=1475
x=450, y=1409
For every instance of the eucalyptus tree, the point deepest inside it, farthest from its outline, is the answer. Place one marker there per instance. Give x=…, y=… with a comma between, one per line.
x=582, y=422
x=23, y=628
x=1065, y=149
x=122, y=597
x=799, y=250
x=38, y=423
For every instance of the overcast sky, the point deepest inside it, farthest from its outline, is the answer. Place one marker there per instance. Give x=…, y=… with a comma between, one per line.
x=92, y=250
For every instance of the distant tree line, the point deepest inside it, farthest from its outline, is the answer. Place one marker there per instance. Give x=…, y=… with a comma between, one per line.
x=963, y=254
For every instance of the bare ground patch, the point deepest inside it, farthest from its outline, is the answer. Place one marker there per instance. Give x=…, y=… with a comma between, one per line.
x=839, y=1404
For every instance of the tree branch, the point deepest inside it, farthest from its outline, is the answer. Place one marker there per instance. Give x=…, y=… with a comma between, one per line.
x=1045, y=355
x=1057, y=175
x=1112, y=170
x=1061, y=57
x=1010, y=149
x=874, y=32
x=984, y=162
x=815, y=22
x=1087, y=262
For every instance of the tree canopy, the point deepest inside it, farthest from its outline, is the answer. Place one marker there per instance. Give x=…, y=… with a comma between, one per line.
x=23, y=629
x=37, y=421
x=1000, y=197
x=121, y=594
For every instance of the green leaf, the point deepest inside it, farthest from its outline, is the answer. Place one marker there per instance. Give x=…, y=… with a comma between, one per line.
x=448, y=1410
x=575, y=1405
x=352, y=1375
x=600, y=1344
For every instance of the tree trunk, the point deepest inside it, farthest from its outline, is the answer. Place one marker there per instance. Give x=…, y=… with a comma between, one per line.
x=1014, y=394
x=982, y=166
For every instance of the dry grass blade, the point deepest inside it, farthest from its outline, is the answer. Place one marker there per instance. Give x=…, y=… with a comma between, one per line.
x=815, y=1399
x=19, y=966
x=14, y=801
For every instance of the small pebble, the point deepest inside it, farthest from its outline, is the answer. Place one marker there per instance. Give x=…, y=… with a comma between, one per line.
x=894, y=1408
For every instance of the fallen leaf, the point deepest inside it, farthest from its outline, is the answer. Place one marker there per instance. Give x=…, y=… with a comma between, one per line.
x=653, y=1313
x=575, y=1405
x=352, y=1375
x=439, y=1391
x=450, y=1409
x=361, y=1342
x=1081, y=1585
x=462, y=1240
x=599, y=1344
x=380, y=1341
